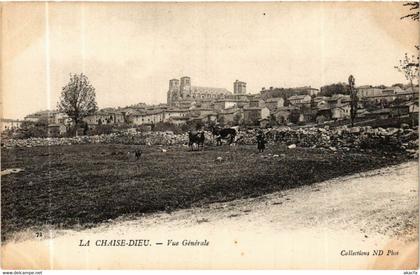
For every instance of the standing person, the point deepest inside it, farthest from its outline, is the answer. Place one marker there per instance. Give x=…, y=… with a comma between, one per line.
x=261, y=141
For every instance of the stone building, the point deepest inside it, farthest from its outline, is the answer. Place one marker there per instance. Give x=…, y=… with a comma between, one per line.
x=181, y=93
x=300, y=100
x=252, y=115
x=239, y=87
x=274, y=103
x=368, y=91
x=10, y=124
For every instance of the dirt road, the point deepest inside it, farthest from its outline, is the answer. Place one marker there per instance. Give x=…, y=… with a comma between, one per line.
x=332, y=224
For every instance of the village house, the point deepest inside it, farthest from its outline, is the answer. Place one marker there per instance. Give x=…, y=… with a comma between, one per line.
x=368, y=91
x=228, y=103
x=227, y=116
x=282, y=114
x=10, y=124
x=56, y=117
x=147, y=118
x=131, y=110
x=256, y=102
x=297, y=100
x=56, y=130
x=105, y=117
x=408, y=94
x=200, y=112
x=382, y=113
x=205, y=103
x=178, y=120
x=414, y=91
x=204, y=117
x=340, y=99
x=252, y=115
x=323, y=114
x=274, y=103
x=175, y=113
x=321, y=101
x=306, y=115
x=341, y=111
x=403, y=109
x=388, y=95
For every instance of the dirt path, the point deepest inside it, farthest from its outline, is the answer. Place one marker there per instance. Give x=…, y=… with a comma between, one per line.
x=307, y=227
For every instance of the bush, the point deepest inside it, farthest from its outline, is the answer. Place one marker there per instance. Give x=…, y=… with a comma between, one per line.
x=166, y=126
x=101, y=130
x=31, y=129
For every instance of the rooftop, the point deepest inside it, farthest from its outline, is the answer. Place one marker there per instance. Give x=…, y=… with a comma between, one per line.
x=209, y=90
x=296, y=97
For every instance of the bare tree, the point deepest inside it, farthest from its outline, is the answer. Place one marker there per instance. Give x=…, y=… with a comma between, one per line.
x=409, y=66
x=353, y=99
x=414, y=11
x=77, y=98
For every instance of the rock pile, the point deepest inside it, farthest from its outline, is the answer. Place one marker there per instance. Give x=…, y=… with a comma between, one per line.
x=140, y=138
x=340, y=138
x=391, y=139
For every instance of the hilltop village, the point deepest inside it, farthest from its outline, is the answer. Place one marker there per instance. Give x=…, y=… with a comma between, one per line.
x=190, y=106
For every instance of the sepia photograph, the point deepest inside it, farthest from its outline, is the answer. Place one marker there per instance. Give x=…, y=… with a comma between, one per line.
x=209, y=135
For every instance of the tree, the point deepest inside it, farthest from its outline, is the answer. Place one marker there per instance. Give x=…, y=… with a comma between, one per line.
x=353, y=100
x=414, y=11
x=401, y=85
x=409, y=66
x=30, y=129
x=336, y=88
x=78, y=98
x=294, y=116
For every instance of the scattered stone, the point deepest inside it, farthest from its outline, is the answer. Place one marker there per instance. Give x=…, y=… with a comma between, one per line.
x=343, y=138
x=11, y=171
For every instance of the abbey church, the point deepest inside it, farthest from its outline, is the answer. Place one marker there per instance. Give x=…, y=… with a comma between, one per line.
x=181, y=93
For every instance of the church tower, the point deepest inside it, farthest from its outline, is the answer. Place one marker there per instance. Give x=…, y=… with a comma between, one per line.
x=239, y=88
x=185, y=87
x=173, y=92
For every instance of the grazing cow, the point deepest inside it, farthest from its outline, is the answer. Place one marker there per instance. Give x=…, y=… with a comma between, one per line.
x=137, y=153
x=196, y=138
x=224, y=133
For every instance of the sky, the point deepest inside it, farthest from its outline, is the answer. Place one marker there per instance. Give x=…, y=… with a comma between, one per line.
x=130, y=51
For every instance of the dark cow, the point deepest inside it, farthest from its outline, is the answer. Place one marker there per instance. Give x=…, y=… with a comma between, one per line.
x=224, y=133
x=196, y=138
x=137, y=154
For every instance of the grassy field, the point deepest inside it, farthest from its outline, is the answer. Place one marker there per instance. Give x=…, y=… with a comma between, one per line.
x=83, y=185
